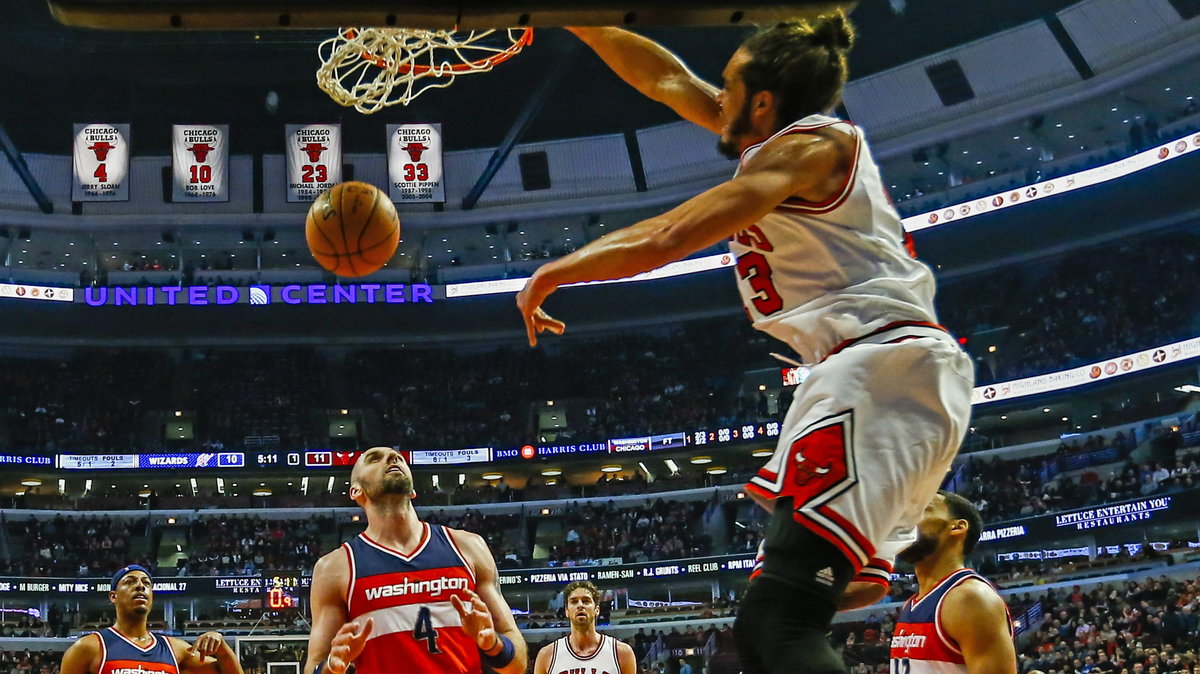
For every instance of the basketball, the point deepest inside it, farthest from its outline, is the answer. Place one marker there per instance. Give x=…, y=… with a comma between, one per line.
x=352, y=229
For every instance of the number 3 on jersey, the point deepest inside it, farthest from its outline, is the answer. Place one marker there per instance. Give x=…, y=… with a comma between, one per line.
x=424, y=630
x=752, y=266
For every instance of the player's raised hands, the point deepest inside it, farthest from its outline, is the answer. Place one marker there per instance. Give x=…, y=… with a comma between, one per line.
x=476, y=620
x=347, y=645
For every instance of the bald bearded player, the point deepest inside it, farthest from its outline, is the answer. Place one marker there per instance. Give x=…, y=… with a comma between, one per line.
x=406, y=595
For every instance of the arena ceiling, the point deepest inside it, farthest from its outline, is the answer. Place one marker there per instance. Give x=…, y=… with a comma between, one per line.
x=54, y=76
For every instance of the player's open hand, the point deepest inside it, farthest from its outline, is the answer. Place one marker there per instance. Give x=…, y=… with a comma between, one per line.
x=348, y=644
x=207, y=644
x=476, y=619
x=529, y=302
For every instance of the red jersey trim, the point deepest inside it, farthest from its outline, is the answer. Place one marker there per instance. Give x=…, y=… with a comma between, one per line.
x=408, y=557
x=162, y=667
x=918, y=598
x=599, y=647
x=937, y=616
x=798, y=205
x=130, y=641
x=890, y=326
x=350, y=582
x=103, y=650
x=461, y=557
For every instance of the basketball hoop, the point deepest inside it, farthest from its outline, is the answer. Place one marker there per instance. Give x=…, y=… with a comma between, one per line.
x=373, y=68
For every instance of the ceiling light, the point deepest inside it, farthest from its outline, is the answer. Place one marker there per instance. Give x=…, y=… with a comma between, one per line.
x=551, y=472
x=612, y=468
x=492, y=476
x=716, y=470
x=762, y=452
x=701, y=460
x=31, y=482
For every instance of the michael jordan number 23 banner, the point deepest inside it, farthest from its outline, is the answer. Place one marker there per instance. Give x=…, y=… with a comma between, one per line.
x=415, y=163
x=101, y=162
x=201, y=158
x=314, y=160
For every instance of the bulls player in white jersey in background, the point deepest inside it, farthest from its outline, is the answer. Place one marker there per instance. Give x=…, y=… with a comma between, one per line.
x=405, y=595
x=822, y=264
x=957, y=623
x=584, y=650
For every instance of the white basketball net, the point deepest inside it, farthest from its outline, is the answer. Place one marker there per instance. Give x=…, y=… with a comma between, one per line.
x=373, y=68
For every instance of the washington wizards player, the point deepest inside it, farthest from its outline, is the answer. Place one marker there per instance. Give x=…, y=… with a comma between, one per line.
x=405, y=595
x=957, y=623
x=128, y=647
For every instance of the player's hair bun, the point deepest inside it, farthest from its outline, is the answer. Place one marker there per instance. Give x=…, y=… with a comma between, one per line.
x=833, y=31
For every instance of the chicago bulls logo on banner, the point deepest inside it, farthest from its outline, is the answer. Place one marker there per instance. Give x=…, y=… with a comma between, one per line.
x=201, y=162
x=314, y=160
x=101, y=162
x=415, y=163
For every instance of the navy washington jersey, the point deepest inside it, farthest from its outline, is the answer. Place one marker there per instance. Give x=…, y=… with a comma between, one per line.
x=919, y=643
x=119, y=655
x=408, y=596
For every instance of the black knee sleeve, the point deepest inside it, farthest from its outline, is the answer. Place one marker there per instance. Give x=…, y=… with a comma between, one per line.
x=796, y=556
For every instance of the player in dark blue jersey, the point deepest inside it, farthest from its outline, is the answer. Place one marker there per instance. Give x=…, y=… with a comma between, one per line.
x=129, y=647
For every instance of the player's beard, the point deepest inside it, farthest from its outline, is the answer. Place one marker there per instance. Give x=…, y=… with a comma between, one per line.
x=740, y=126
x=391, y=483
x=921, y=548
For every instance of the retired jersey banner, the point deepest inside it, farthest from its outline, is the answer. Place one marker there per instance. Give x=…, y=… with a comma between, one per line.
x=314, y=160
x=101, y=163
x=200, y=153
x=415, y=163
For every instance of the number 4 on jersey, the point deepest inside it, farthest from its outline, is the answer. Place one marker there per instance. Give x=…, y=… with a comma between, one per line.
x=424, y=630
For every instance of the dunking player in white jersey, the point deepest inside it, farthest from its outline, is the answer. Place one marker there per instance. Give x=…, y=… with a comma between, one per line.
x=957, y=623
x=407, y=596
x=822, y=264
x=584, y=650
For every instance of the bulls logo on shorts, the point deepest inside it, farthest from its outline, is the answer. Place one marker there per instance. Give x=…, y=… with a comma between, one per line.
x=818, y=460
x=818, y=467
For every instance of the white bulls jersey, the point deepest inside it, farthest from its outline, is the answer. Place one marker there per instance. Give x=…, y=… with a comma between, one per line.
x=817, y=274
x=564, y=660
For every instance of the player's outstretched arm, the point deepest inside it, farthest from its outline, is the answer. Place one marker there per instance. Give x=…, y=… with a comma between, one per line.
x=210, y=654
x=976, y=618
x=485, y=614
x=656, y=72
x=792, y=164
x=333, y=643
x=83, y=657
